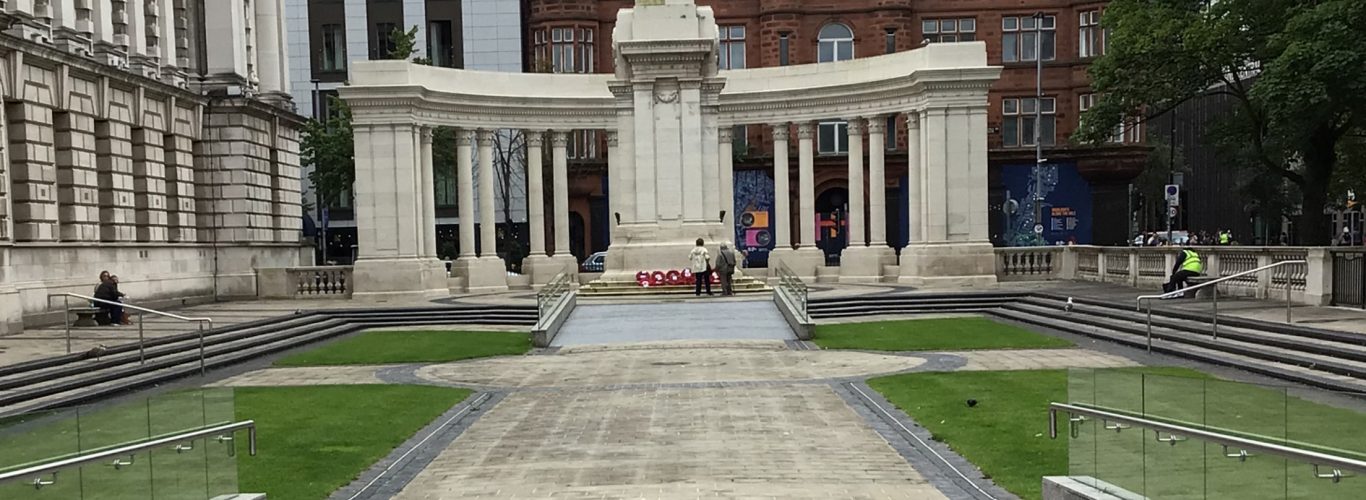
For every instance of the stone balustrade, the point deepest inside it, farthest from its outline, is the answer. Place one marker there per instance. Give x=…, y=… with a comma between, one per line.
x=311, y=282
x=1149, y=267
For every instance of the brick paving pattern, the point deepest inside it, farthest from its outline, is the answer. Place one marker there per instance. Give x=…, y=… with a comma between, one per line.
x=775, y=442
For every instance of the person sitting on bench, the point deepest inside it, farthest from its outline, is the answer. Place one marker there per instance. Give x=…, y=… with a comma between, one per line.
x=1188, y=265
x=109, y=291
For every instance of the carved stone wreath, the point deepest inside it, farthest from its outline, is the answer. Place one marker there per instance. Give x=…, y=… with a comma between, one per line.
x=666, y=96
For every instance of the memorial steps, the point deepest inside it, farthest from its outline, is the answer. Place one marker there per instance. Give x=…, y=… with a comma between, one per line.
x=1321, y=358
x=78, y=377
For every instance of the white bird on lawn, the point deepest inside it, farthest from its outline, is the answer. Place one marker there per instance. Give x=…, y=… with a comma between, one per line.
x=1068, y=308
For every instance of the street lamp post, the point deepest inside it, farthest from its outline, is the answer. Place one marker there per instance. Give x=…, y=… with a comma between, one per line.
x=1038, y=120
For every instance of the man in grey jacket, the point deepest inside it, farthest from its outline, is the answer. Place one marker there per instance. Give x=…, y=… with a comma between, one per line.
x=725, y=268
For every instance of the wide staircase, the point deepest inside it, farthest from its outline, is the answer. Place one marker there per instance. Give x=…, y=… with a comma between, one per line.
x=85, y=376
x=1322, y=358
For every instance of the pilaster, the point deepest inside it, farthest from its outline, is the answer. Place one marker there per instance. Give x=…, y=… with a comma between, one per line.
x=114, y=164
x=149, y=172
x=78, y=184
x=181, y=219
x=32, y=170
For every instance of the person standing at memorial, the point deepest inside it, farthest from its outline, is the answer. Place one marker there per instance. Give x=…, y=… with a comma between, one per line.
x=725, y=268
x=699, y=262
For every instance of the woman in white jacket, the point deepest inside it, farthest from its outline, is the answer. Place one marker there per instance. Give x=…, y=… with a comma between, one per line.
x=699, y=262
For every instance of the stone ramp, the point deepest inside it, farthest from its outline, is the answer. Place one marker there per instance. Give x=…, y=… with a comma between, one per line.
x=672, y=321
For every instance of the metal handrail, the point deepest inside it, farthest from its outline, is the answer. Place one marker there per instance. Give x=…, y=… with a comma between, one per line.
x=223, y=433
x=551, y=294
x=1138, y=302
x=1177, y=433
x=791, y=285
x=142, y=312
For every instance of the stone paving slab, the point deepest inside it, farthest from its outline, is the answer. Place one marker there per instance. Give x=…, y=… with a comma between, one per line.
x=1039, y=359
x=309, y=375
x=776, y=442
x=680, y=365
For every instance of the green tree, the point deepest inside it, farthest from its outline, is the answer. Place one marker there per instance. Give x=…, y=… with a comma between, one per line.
x=404, y=44
x=1295, y=68
x=328, y=145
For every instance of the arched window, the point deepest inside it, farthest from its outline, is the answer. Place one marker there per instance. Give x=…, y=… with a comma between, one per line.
x=836, y=43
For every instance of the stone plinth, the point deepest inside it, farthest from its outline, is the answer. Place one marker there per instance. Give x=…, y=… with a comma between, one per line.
x=543, y=268
x=482, y=274
x=864, y=264
x=377, y=277
x=948, y=265
x=802, y=261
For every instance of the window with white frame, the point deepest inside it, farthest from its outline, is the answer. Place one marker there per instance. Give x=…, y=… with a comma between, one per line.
x=832, y=137
x=1023, y=38
x=836, y=43
x=1018, y=121
x=1091, y=42
x=570, y=49
x=949, y=30
x=732, y=47
x=1127, y=131
x=891, y=133
x=334, y=47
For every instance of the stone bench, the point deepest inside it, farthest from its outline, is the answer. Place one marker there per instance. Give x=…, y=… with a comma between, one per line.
x=89, y=316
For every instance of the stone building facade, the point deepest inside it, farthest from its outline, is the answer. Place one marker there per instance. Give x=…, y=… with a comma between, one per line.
x=154, y=139
x=1089, y=181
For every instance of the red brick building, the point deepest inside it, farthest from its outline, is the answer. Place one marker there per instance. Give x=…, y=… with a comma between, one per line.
x=575, y=36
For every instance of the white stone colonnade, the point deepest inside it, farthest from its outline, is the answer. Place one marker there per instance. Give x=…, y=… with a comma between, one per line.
x=668, y=114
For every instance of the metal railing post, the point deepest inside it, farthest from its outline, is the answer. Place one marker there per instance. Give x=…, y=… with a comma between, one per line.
x=142, y=341
x=1216, y=311
x=1287, y=300
x=66, y=320
x=202, y=370
x=1150, y=327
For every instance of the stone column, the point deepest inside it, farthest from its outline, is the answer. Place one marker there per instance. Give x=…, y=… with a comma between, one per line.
x=914, y=177
x=271, y=60
x=954, y=251
x=782, y=193
x=488, y=221
x=465, y=197
x=806, y=187
x=559, y=140
x=536, y=191
x=856, y=183
x=427, y=185
x=388, y=218
x=726, y=155
x=877, y=181
x=614, y=185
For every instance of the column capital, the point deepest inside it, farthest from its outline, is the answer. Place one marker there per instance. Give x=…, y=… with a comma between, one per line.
x=427, y=135
x=534, y=138
x=913, y=119
x=877, y=125
x=462, y=137
x=559, y=138
x=806, y=130
x=726, y=134
x=485, y=137
x=611, y=138
x=856, y=126
x=781, y=131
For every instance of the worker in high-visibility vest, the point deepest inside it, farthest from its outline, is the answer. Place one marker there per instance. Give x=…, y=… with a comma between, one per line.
x=1188, y=265
x=1225, y=237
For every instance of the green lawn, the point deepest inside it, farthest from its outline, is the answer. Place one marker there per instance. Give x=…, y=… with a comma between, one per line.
x=1006, y=433
x=314, y=440
x=949, y=334
x=392, y=347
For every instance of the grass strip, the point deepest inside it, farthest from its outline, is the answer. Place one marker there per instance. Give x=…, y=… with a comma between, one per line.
x=425, y=346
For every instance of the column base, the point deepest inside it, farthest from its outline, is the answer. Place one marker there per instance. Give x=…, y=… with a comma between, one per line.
x=658, y=247
x=413, y=277
x=949, y=265
x=11, y=312
x=543, y=268
x=802, y=261
x=864, y=264
x=482, y=275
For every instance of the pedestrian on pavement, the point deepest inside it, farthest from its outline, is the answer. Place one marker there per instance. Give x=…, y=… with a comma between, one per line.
x=699, y=262
x=725, y=268
x=1188, y=265
x=1346, y=239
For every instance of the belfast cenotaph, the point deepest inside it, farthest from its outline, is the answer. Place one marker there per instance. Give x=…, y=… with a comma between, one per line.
x=667, y=113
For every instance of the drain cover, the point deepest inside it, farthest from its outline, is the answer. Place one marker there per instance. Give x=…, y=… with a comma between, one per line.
x=669, y=363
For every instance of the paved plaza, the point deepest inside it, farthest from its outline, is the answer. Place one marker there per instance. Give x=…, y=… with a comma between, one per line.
x=678, y=320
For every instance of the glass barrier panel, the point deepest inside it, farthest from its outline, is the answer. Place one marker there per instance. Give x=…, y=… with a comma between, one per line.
x=1174, y=465
x=1119, y=447
x=128, y=476
x=38, y=437
x=221, y=455
x=1080, y=435
x=113, y=425
x=1327, y=423
x=1250, y=411
x=178, y=471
